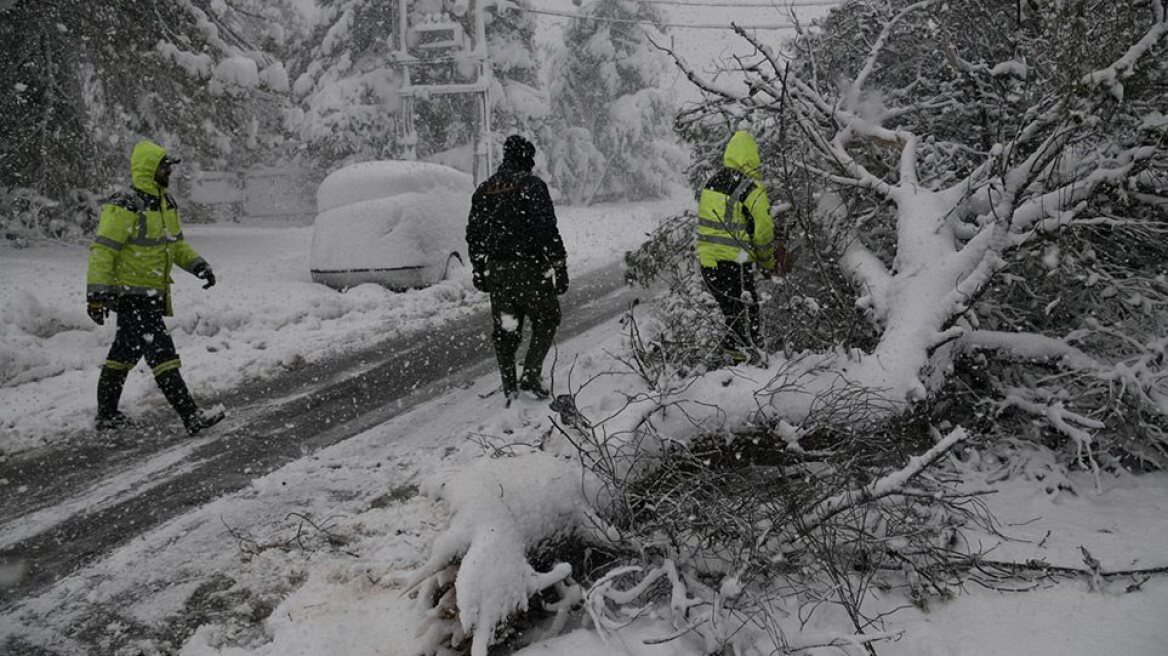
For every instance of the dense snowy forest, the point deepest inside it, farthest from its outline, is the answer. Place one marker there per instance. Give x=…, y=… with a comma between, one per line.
x=975, y=199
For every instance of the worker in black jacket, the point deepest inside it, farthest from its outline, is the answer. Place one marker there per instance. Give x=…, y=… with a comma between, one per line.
x=518, y=258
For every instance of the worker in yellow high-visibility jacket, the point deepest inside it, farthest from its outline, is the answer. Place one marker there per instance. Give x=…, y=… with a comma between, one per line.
x=735, y=235
x=139, y=238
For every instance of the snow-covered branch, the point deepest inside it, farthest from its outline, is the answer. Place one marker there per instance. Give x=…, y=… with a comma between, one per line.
x=1029, y=346
x=709, y=87
x=870, y=275
x=881, y=487
x=1051, y=204
x=1112, y=76
x=854, y=91
x=1067, y=422
x=845, y=160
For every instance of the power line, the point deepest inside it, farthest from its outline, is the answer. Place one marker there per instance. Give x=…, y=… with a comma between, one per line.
x=687, y=26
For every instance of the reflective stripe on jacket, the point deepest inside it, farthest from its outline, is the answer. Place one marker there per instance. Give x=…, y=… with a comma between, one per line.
x=734, y=213
x=139, y=236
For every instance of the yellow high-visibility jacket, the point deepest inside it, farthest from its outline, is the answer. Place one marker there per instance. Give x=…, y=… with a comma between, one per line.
x=734, y=214
x=139, y=236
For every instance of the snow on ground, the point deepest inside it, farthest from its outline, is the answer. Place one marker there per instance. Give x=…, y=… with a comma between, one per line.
x=312, y=559
x=264, y=315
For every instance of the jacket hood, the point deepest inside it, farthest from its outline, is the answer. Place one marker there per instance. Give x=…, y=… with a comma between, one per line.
x=144, y=162
x=742, y=155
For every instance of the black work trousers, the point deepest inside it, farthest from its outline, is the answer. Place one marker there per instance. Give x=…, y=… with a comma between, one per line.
x=142, y=333
x=732, y=286
x=520, y=291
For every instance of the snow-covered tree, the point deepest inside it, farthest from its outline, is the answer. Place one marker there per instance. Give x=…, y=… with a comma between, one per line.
x=83, y=81
x=610, y=133
x=346, y=82
x=349, y=80
x=517, y=98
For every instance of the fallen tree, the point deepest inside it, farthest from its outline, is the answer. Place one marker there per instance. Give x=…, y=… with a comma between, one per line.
x=988, y=200
x=984, y=209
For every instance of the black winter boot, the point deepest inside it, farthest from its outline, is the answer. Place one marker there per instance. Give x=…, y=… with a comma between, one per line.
x=174, y=388
x=530, y=382
x=109, y=391
x=203, y=419
x=507, y=376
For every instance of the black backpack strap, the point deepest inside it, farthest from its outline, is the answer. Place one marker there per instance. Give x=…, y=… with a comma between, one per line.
x=127, y=201
x=741, y=192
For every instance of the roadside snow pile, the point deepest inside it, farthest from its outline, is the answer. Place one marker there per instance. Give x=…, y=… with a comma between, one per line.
x=29, y=336
x=396, y=223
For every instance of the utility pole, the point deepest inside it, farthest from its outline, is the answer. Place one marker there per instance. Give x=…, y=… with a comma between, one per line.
x=482, y=156
x=445, y=36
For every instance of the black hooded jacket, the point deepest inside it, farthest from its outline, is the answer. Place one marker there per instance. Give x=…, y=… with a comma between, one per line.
x=512, y=220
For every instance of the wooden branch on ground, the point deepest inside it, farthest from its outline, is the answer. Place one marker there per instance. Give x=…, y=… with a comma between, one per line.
x=881, y=487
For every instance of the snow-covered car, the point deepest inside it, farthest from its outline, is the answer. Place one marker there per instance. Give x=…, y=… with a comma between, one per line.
x=401, y=224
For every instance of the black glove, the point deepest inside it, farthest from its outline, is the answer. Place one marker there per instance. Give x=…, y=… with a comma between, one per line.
x=560, y=267
x=480, y=280
x=97, y=306
x=203, y=271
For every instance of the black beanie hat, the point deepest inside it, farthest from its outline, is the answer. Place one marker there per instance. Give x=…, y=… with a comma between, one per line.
x=519, y=152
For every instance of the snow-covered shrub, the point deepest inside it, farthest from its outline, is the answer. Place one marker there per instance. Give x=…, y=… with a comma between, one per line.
x=575, y=165
x=644, y=158
x=812, y=307
x=26, y=216
x=691, y=329
x=345, y=85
